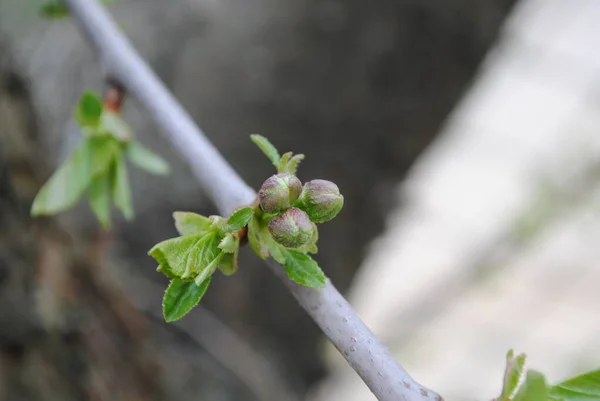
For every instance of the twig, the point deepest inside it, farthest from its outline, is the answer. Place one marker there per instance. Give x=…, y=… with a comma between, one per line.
x=328, y=308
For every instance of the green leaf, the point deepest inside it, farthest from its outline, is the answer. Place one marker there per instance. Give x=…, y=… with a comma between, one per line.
x=99, y=198
x=191, y=223
x=229, y=243
x=293, y=163
x=534, y=388
x=202, y=256
x=311, y=247
x=147, y=160
x=66, y=185
x=512, y=374
x=121, y=191
x=181, y=297
x=210, y=269
x=283, y=162
x=276, y=250
x=268, y=149
x=104, y=150
x=255, y=240
x=302, y=269
x=89, y=110
x=172, y=254
x=228, y=264
x=54, y=10
x=585, y=387
x=240, y=218
x=114, y=124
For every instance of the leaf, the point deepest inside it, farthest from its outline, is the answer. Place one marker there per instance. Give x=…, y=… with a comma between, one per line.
x=54, y=10
x=512, y=375
x=302, y=269
x=172, y=254
x=104, y=150
x=293, y=163
x=228, y=264
x=202, y=257
x=240, y=218
x=121, y=191
x=99, y=198
x=89, y=110
x=66, y=185
x=191, y=223
x=311, y=247
x=114, y=124
x=276, y=250
x=210, y=269
x=534, y=388
x=229, y=243
x=257, y=244
x=147, y=160
x=585, y=387
x=181, y=297
x=283, y=162
x=268, y=149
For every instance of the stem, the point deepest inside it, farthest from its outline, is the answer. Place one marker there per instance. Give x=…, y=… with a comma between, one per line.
x=332, y=313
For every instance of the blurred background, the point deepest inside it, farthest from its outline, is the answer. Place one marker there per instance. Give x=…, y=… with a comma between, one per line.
x=463, y=134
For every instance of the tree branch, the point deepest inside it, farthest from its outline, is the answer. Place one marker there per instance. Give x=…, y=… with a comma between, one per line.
x=328, y=308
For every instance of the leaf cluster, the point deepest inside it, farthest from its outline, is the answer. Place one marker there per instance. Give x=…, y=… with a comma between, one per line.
x=531, y=385
x=205, y=244
x=97, y=166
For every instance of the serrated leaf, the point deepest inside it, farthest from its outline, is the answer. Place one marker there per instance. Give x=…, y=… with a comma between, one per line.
x=172, y=254
x=121, y=192
x=99, y=198
x=239, y=218
x=512, y=375
x=229, y=244
x=293, y=163
x=188, y=223
x=267, y=148
x=54, y=10
x=585, y=387
x=202, y=256
x=534, y=388
x=255, y=240
x=147, y=160
x=114, y=124
x=302, y=269
x=181, y=297
x=228, y=264
x=89, y=110
x=210, y=269
x=66, y=185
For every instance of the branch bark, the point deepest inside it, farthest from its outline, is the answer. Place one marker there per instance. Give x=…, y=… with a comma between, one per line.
x=328, y=308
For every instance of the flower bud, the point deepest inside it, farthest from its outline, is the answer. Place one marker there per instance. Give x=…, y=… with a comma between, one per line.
x=278, y=192
x=292, y=228
x=321, y=200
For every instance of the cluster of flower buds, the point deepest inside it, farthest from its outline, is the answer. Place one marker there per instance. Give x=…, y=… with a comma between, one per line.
x=298, y=207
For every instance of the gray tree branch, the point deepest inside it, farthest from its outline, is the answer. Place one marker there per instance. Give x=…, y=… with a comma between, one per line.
x=328, y=308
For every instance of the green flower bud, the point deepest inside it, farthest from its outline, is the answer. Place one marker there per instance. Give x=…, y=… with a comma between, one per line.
x=292, y=228
x=321, y=200
x=279, y=192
